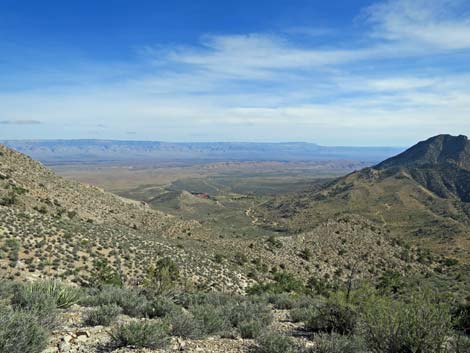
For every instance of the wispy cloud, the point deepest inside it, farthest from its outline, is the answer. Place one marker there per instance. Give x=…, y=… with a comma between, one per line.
x=20, y=122
x=394, y=83
x=438, y=24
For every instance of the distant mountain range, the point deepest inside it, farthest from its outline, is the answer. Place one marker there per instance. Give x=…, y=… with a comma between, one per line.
x=63, y=151
x=422, y=194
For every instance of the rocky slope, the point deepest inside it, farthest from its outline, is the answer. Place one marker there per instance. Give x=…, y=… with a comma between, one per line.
x=51, y=226
x=421, y=195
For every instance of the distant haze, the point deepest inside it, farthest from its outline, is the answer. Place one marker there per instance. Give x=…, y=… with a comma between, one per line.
x=55, y=151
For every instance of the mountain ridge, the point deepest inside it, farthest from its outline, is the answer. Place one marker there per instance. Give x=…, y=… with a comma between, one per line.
x=422, y=194
x=54, y=151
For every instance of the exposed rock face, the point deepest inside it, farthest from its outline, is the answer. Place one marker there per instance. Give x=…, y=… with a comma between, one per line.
x=440, y=164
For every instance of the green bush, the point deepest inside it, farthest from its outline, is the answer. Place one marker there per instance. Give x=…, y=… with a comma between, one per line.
x=334, y=315
x=302, y=309
x=249, y=311
x=336, y=343
x=40, y=304
x=21, y=333
x=320, y=286
x=7, y=289
x=300, y=314
x=276, y=343
x=282, y=301
x=250, y=329
x=210, y=319
x=141, y=334
x=211, y=298
x=461, y=314
x=103, y=315
x=104, y=274
x=161, y=307
x=420, y=325
x=459, y=344
x=183, y=324
x=132, y=302
x=163, y=276
x=283, y=282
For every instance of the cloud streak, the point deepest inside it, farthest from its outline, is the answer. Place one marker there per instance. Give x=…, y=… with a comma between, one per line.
x=20, y=122
x=394, y=83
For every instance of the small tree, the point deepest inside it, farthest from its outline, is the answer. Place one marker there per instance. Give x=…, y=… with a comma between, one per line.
x=104, y=274
x=162, y=276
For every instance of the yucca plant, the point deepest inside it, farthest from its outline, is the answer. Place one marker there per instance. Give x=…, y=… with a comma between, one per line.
x=63, y=295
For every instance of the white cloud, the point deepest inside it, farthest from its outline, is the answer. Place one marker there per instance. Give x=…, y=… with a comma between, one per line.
x=439, y=24
x=269, y=87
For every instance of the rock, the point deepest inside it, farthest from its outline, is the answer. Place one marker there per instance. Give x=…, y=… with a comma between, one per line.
x=81, y=339
x=83, y=333
x=64, y=347
x=67, y=338
x=50, y=350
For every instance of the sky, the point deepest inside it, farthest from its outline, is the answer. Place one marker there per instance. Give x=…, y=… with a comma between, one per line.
x=356, y=73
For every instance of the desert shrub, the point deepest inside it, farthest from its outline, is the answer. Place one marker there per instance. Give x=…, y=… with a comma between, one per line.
x=320, y=286
x=141, y=334
x=461, y=314
x=249, y=311
x=420, y=325
x=459, y=344
x=211, y=298
x=183, y=324
x=282, y=300
x=104, y=274
x=300, y=314
x=210, y=319
x=40, y=304
x=276, y=343
x=336, y=343
x=163, y=276
x=333, y=315
x=390, y=282
x=103, y=315
x=132, y=302
x=283, y=282
x=302, y=308
x=21, y=333
x=161, y=307
x=250, y=329
x=273, y=242
x=7, y=289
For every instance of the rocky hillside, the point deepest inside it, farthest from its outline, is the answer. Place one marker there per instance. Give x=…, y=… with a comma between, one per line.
x=421, y=195
x=51, y=226
x=54, y=227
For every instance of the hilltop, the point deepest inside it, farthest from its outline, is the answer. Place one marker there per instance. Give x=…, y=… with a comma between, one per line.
x=421, y=194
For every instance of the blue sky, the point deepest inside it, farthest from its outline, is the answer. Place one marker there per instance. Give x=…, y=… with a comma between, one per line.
x=332, y=72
